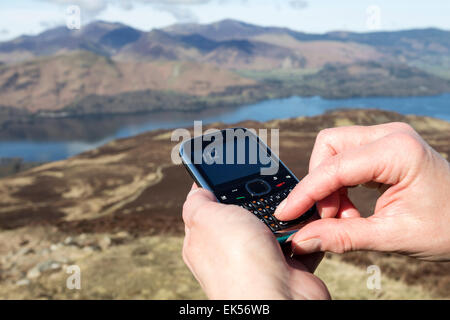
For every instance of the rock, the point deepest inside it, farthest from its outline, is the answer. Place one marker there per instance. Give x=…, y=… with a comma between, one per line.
x=33, y=273
x=23, y=282
x=49, y=265
x=55, y=247
x=24, y=251
x=89, y=249
x=121, y=235
x=69, y=241
x=105, y=243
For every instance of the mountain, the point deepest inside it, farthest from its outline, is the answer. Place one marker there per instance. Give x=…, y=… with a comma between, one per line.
x=216, y=42
x=407, y=42
x=110, y=67
x=51, y=83
x=116, y=212
x=223, y=30
x=100, y=37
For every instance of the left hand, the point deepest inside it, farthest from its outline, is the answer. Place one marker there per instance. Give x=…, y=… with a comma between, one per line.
x=235, y=256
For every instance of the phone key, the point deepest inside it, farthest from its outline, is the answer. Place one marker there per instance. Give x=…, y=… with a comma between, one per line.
x=274, y=226
x=283, y=223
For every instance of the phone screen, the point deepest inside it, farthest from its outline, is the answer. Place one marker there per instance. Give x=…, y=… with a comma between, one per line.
x=231, y=159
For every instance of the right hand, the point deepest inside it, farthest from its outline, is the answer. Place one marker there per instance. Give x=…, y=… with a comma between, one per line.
x=411, y=217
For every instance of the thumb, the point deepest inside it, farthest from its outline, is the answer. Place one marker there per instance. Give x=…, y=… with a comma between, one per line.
x=342, y=235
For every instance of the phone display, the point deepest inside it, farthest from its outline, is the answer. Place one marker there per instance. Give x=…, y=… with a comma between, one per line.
x=240, y=169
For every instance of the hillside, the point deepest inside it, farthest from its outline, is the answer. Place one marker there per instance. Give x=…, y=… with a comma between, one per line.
x=116, y=211
x=51, y=83
x=112, y=68
x=81, y=82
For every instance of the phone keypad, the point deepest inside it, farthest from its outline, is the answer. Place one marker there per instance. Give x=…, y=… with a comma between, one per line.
x=264, y=208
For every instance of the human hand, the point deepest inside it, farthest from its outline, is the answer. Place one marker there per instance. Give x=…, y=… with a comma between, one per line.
x=235, y=256
x=411, y=217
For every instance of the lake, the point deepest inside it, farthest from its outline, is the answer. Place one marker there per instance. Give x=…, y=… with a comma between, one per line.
x=56, y=139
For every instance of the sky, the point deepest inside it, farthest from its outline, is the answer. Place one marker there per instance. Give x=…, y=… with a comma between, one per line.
x=31, y=17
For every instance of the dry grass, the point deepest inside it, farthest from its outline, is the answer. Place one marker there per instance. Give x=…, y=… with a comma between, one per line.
x=152, y=268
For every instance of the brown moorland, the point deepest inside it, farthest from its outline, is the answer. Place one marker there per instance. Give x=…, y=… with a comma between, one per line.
x=116, y=212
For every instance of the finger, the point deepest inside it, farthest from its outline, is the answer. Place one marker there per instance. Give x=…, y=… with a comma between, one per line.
x=371, y=162
x=342, y=235
x=329, y=207
x=196, y=199
x=347, y=208
x=330, y=142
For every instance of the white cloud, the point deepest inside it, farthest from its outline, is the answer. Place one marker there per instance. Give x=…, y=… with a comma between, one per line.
x=298, y=4
x=90, y=9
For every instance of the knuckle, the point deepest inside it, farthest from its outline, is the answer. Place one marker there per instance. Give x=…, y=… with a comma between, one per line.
x=408, y=143
x=324, y=134
x=344, y=242
x=402, y=126
x=191, y=214
x=331, y=167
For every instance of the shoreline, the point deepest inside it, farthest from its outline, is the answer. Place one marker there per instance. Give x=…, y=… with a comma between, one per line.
x=63, y=114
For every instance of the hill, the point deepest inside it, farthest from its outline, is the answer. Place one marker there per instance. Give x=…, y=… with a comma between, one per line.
x=116, y=211
x=51, y=83
x=109, y=67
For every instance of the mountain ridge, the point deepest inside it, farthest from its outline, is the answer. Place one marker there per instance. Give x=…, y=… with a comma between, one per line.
x=229, y=58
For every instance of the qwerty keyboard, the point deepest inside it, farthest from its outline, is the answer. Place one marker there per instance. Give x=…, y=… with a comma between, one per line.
x=264, y=208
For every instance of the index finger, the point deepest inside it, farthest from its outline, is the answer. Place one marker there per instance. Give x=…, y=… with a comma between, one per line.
x=371, y=162
x=332, y=141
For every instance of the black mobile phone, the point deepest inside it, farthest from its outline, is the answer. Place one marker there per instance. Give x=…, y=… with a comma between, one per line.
x=239, y=168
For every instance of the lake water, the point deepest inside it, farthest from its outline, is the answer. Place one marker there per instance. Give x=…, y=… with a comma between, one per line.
x=56, y=139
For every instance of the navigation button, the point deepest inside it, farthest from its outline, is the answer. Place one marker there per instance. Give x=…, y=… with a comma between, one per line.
x=257, y=187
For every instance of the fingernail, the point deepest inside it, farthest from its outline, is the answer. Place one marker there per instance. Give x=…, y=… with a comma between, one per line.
x=307, y=246
x=280, y=208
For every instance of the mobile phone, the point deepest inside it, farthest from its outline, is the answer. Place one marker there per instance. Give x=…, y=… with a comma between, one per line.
x=239, y=168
